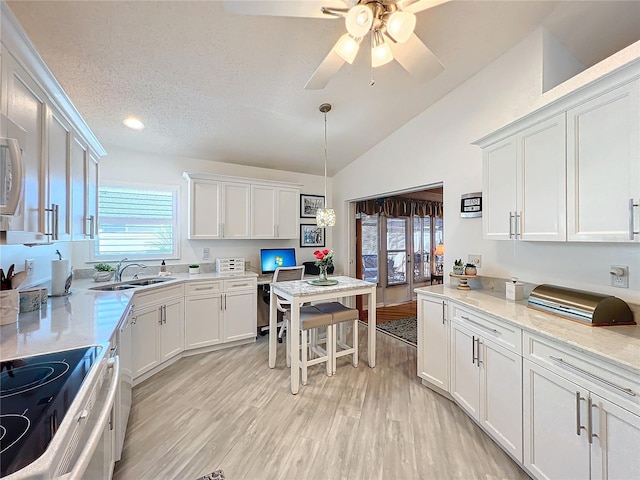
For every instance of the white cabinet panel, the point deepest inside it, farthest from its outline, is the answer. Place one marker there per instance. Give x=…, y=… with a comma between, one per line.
x=172, y=330
x=240, y=313
x=288, y=213
x=79, y=159
x=144, y=334
x=263, y=214
x=236, y=211
x=499, y=190
x=205, y=200
x=603, y=166
x=433, y=343
x=91, y=200
x=203, y=320
x=58, y=187
x=465, y=374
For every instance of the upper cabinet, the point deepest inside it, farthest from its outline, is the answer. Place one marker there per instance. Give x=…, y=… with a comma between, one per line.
x=60, y=154
x=569, y=171
x=524, y=184
x=274, y=212
x=241, y=208
x=603, y=167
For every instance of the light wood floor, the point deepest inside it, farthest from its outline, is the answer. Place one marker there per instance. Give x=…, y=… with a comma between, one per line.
x=228, y=410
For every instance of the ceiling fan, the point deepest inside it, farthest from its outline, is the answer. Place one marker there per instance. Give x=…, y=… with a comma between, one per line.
x=388, y=25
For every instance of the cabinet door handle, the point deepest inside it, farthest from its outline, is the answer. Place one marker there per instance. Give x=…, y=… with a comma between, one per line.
x=221, y=304
x=473, y=349
x=511, y=224
x=632, y=230
x=134, y=320
x=579, y=427
x=567, y=365
x=478, y=361
x=225, y=301
x=56, y=221
x=479, y=325
x=518, y=224
x=160, y=311
x=222, y=230
x=590, y=433
x=443, y=312
x=164, y=310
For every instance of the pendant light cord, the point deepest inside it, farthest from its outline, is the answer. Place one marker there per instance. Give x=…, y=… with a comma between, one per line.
x=325, y=159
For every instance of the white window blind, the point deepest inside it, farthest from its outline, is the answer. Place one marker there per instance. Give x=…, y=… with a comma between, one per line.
x=137, y=223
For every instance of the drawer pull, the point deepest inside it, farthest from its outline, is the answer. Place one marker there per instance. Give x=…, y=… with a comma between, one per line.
x=241, y=285
x=567, y=365
x=203, y=288
x=579, y=426
x=479, y=325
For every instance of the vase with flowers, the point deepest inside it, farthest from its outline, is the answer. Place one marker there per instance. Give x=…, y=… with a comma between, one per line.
x=324, y=260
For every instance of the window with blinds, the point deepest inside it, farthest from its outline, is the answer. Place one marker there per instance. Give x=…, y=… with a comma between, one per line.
x=137, y=222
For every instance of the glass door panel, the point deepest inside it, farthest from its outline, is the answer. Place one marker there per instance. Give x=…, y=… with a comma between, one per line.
x=396, y=251
x=421, y=249
x=370, y=248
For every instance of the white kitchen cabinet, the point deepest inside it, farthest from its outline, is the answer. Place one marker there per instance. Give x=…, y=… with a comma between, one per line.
x=78, y=193
x=26, y=107
x=274, y=212
x=203, y=314
x=220, y=311
x=486, y=375
x=524, y=184
x=580, y=417
x=433, y=344
x=157, y=328
x=59, y=174
x=218, y=209
x=603, y=167
x=236, y=213
x=91, y=200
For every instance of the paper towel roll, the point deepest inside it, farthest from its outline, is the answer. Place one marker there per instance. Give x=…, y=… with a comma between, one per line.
x=59, y=272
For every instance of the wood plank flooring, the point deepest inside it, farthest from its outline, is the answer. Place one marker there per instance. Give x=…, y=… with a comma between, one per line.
x=394, y=312
x=227, y=410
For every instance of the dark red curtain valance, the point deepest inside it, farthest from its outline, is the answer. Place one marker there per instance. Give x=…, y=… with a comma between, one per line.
x=399, y=207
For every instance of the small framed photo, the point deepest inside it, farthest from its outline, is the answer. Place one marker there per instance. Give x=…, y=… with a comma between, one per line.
x=309, y=204
x=311, y=236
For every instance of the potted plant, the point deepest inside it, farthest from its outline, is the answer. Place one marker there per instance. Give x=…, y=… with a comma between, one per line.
x=194, y=268
x=458, y=267
x=470, y=269
x=103, y=272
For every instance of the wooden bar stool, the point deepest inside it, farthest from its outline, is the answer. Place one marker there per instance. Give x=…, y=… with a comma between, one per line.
x=311, y=319
x=341, y=314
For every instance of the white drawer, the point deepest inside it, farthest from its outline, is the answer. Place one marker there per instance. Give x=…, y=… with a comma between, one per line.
x=502, y=333
x=203, y=288
x=240, y=284
x=605, y=379
x=157, y=295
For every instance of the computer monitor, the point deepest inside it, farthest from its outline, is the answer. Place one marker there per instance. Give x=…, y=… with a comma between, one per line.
x=272, y=258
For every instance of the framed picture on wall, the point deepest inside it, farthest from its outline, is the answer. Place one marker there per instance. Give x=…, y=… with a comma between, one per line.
x=311, y=236
x=309, y=204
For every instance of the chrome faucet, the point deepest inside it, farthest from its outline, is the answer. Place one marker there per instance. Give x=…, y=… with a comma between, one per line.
x=120, y=269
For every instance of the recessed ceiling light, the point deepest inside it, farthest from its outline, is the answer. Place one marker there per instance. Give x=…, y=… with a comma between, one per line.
x=134, y=123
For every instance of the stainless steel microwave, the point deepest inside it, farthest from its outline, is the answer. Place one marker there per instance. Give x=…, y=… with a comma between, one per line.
x=11, y=168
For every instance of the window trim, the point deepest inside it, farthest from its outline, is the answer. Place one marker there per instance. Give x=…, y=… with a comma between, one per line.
x=175, y=190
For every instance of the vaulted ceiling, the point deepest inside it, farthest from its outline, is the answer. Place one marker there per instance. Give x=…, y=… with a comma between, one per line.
x=213, y=85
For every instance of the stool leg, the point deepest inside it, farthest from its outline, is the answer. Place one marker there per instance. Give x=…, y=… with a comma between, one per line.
x=329, y=349
x=355, y=343
x=304, y=346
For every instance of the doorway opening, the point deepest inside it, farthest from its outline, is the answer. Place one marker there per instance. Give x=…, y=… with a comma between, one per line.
x=399, y=245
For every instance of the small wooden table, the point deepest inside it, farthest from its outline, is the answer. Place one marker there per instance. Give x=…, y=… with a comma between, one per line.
x=301, y=291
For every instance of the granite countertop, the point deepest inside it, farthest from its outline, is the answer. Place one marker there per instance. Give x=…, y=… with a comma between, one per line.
x=86, y=317
x=619, y=345
x=302, y=288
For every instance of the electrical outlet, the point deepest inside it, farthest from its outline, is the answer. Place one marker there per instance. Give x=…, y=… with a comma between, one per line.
x=205, y=253
x=619, y=276
x=475, y=259
x=28, y=266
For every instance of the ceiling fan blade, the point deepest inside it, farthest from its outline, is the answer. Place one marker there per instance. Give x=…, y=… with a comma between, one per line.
x=415, y=6
x=325, y=71
x=280, y=8
x=416, y=58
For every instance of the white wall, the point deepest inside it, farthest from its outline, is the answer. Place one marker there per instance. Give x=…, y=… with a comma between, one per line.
x=123, y=166
x=436, y=146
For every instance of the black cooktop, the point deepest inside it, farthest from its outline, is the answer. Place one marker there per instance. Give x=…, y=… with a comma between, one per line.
x=35, y=394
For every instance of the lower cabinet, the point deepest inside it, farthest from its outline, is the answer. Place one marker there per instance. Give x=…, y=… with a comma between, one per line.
x=433, y=346
x=220, y=311
x=486, y=379
x=570, y=431
x=157, y=327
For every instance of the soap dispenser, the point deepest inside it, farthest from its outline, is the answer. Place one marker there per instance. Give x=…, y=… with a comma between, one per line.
x=163, y=267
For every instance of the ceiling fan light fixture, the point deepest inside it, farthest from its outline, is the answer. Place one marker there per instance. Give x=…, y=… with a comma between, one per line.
x=380, y=50
x=347, y=47
x=400, y=25
x=359, y=20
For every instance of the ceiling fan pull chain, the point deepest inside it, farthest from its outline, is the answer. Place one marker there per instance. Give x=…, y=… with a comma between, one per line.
x=372, y=82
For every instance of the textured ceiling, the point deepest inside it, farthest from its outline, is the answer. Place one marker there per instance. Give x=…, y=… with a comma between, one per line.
x=212, y=85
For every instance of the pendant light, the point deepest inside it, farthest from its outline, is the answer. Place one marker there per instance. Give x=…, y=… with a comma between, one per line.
x=325, y=217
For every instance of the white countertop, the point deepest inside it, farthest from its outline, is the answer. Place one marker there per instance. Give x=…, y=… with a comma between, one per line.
x=86, y=317
x=619, y=345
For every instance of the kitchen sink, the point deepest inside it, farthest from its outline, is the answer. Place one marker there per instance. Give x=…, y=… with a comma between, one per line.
x=112, y=288
x=149, y=281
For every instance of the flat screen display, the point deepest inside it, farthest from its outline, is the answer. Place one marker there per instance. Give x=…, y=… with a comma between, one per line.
x=272, y=258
